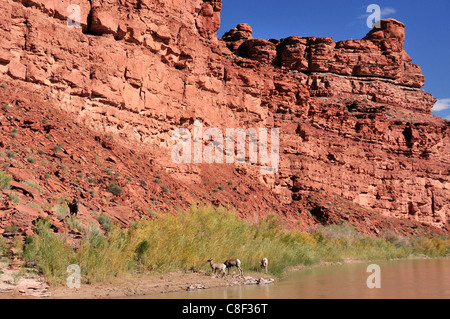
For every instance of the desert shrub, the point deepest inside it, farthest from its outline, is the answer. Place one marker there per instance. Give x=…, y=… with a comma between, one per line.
x=31, y=183
x=11, y=229
x=74, y=223
x=58, y=148
x=33, y=204
x=4, y=247
x=14, y=197
x=5, y=180
x=14, y=132
x=114, y=189
x=338, y=231
x=105, y=221
x=61, y=210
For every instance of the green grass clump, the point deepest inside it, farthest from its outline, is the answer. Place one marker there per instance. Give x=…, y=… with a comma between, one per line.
x=14, y=132
x=61, y=210
x=4, y=247
x=187, y=239
x=33, y=204
x=58, y=148
x=114, y=189
x=105, y=221
x=32, y=184
x=14, y=197
x=74, y=223
x=5, y=180
x=11, y=229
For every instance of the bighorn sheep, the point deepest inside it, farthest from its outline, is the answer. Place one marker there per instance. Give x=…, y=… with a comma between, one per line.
x=215, y=267
x=233, y=263
x=73, y=207
x=264, y=264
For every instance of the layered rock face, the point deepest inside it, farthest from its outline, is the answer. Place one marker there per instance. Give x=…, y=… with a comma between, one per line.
x=376, y=67
x=354, y=122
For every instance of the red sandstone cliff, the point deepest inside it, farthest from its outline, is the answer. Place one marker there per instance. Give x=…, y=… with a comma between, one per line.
x=357, y=139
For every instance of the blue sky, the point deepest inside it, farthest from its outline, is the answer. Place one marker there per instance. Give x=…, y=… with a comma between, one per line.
x=427, y=29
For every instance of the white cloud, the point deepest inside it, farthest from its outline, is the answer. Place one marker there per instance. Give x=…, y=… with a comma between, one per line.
x=387, y=11
x=441, y=105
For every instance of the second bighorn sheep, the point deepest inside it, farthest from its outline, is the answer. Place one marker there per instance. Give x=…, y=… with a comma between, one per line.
x=233, y=263
x=264, y=264
x=220, y=267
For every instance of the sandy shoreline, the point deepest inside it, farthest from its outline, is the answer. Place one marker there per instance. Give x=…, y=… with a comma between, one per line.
x=128, y=286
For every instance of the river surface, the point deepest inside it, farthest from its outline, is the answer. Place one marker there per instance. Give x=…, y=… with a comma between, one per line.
x=402, y=279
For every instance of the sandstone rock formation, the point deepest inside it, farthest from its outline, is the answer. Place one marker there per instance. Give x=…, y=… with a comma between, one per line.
x=367, y=67
x=357, y=139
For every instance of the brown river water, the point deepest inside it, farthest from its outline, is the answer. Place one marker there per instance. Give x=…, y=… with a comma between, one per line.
x=400, y=279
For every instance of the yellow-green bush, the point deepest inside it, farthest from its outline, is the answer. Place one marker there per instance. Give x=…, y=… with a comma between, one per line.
x=5, y=180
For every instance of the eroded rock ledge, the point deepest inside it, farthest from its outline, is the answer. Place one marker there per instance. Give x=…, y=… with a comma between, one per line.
x=368, y=64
